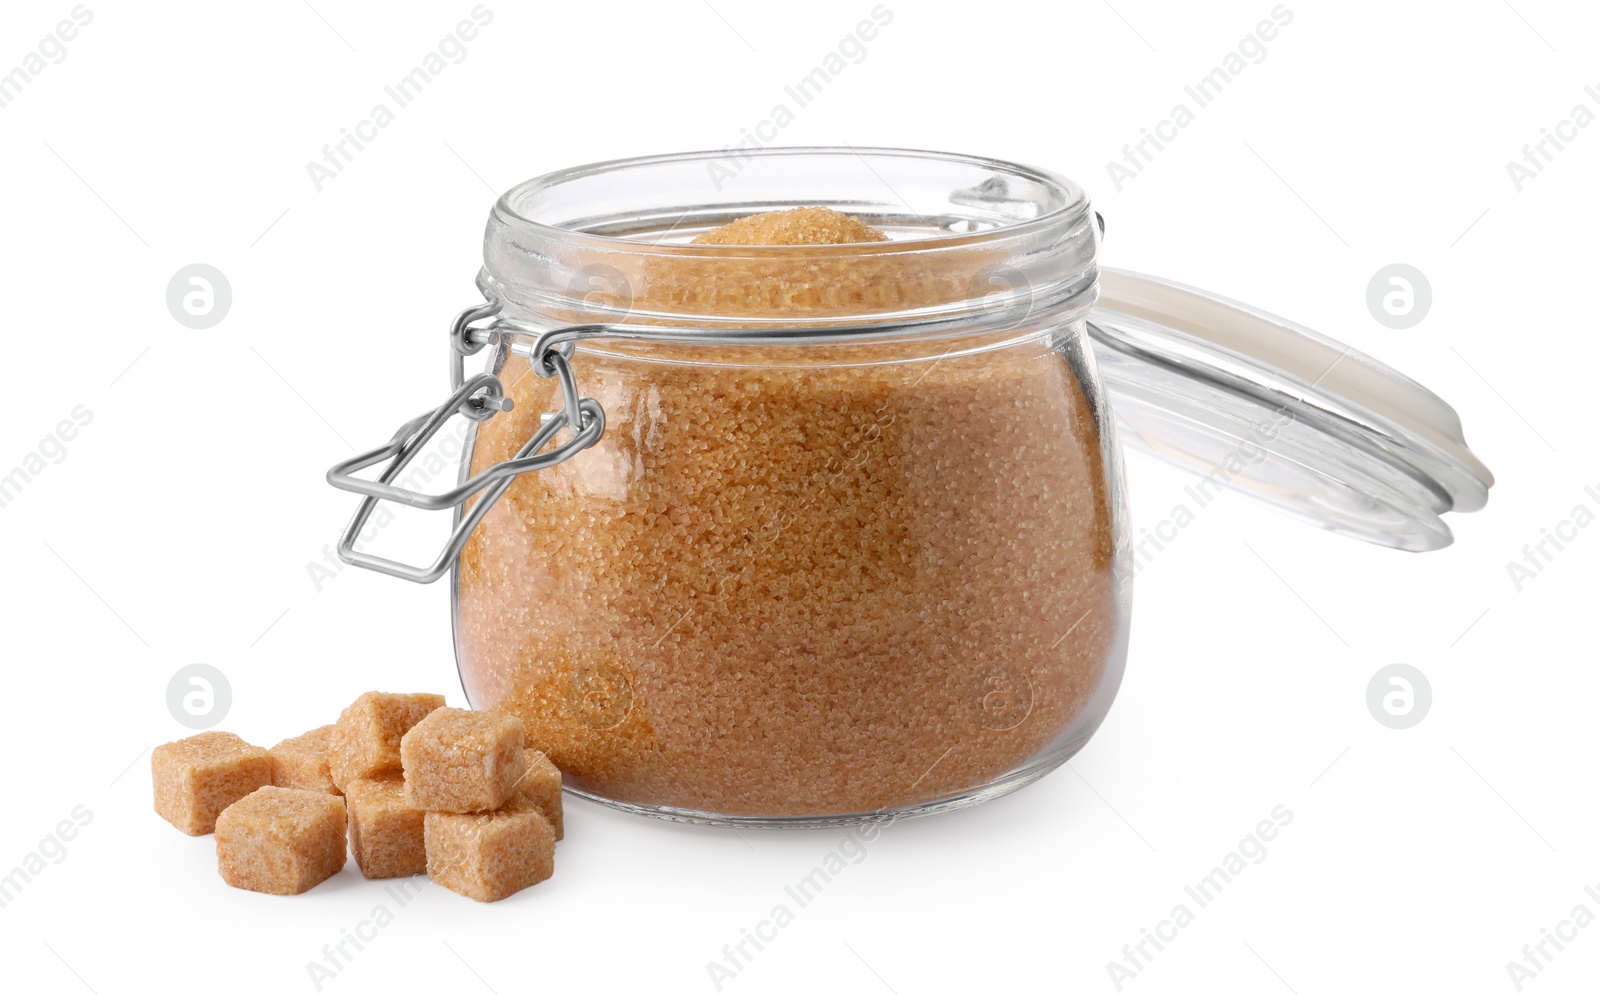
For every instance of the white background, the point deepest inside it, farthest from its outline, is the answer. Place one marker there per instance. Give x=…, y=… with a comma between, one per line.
x=180, y=525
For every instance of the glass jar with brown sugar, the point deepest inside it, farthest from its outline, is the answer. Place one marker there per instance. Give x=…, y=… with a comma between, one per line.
x=794, y=496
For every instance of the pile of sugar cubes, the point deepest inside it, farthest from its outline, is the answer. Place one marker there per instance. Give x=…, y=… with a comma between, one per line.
x=406, y=784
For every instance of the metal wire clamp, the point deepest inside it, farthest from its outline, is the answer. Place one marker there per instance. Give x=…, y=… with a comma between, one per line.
x=480, y=397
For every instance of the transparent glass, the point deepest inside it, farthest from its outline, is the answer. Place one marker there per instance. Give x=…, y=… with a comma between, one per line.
x=813, y=581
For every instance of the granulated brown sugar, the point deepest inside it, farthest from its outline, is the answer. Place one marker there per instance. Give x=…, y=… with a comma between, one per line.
x=798, y=226
x=854, y=278
x=798, y=581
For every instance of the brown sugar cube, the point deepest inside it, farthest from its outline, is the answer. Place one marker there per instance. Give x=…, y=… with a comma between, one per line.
x=366, y=739
x=198, y=777
x=385, y=832
x=541, y=785
x=490, y=855
x=457, y=760
x=281, y=841
x=302, y=762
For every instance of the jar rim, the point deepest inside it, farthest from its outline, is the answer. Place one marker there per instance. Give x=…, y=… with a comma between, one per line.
x=510, y=207
x=609, y=242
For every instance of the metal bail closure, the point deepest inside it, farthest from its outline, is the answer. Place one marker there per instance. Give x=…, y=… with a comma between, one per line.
x=478, y=398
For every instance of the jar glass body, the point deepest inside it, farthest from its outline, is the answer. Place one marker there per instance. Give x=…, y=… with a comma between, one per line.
x=804, y=582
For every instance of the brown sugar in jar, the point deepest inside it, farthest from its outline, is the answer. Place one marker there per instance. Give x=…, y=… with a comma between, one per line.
x=801, y=582
x=793, y=496
x=798, y=592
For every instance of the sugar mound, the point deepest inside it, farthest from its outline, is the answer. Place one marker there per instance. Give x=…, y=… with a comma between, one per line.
x=796, y=226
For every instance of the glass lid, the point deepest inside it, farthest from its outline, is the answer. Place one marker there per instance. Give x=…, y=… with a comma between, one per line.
x=1261, y=405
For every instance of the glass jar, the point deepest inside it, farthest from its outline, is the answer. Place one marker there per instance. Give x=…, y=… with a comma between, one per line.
x=806, y=535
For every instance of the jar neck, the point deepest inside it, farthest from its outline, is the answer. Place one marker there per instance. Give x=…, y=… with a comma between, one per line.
x=976, y=245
